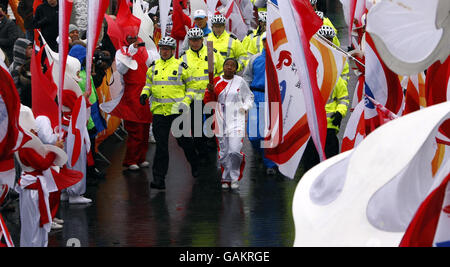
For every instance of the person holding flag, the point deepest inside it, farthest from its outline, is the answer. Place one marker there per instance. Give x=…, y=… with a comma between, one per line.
x=133, y=60
x=40, y=176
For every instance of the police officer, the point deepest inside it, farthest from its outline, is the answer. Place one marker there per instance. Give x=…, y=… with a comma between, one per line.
x=228, y=45
x=166, y=83
x=253, y=42
x=326, y=21
x=197, y=58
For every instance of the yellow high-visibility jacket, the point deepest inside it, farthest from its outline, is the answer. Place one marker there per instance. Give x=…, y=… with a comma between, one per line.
x=228, y=45
x=338, y=102
x=166, y=84
x=248, y=39
x=255, y=45
x=198, y=65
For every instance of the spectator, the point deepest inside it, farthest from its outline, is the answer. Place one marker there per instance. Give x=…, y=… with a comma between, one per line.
x=46, y=19
x=25, y=10
x=74, y=36
x=8, y=33
x=20, y=69
x=96, y=122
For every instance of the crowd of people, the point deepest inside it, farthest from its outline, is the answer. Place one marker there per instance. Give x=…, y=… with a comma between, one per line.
x=160, y=89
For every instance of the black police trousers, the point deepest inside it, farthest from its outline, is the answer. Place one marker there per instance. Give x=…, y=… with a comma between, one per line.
x=161, y=130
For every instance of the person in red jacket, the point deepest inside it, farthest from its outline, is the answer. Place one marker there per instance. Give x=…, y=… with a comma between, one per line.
x=133, y=62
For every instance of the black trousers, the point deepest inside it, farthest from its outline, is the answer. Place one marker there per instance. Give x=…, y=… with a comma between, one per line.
x=200, y=140
x=311, y=156
x=161, y=130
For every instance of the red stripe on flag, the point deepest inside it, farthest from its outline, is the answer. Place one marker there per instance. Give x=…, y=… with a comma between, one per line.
x=395, y=92
x=308, y=23
x=75, y=131
x=292, y=142
x=436, y=82
x=278, y=34
x=274, y=96
x=422, y=228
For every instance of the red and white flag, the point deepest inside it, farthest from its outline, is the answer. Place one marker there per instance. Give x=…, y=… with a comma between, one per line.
x=11, y=137
x=384, y=114
x=43, y=91
x=64, y=12
x=437, y=83
x=301, y=23
x=235, y=20
x=381, y=84
x=415, y=93
x=355, y=131
x=353, y=9
x=430, y=225
x=330, y=66
x=96, y=11
x=77, y=136
x=287, y=125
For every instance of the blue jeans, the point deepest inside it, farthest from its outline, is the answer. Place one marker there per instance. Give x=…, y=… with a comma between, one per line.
x=255, y=125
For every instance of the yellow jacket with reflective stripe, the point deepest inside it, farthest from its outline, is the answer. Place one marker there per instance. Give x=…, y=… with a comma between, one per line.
x=248, y=39
x=338, y=102
x=198, y=65
x=166, y=84
x=255, y=45
x=229, y=46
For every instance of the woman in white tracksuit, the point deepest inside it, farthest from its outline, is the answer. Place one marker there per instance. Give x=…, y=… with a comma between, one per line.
x=232, y=98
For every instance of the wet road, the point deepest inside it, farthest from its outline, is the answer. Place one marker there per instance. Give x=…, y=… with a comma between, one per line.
x=191, y=212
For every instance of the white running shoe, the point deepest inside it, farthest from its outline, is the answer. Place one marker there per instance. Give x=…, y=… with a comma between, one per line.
x=225, y=186
x=133, y=167
x=56, y=226
x=234, y=185
x=79, y=200
x=58, y=221
x=151, y=139
x=144, y=164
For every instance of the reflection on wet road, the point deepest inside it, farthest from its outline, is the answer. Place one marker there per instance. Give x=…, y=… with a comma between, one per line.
x=190, y=212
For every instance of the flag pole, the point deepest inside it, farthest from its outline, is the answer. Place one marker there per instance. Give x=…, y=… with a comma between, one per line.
x=340, y=50
x=383, y=108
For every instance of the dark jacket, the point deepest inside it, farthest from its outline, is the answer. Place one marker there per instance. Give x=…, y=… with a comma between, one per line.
x=46, y=19
x=8, y=35
x=20, y=71
x=25, y=10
